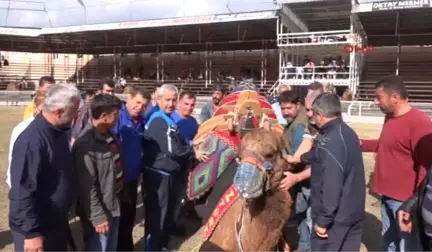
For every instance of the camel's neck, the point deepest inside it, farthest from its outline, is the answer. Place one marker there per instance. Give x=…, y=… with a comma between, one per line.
x=263, y=221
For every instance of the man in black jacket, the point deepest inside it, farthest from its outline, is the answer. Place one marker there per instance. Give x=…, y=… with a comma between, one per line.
x=42, y=175
x=337, y=180
x=165, y=156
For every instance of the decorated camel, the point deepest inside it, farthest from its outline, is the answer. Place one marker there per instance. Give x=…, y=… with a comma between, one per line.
x=243, y=141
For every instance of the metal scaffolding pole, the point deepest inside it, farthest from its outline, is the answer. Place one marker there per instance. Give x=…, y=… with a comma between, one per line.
x=157, y=65
x=398, y=42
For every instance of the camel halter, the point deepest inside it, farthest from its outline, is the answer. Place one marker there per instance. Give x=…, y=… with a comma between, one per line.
x=264, y=166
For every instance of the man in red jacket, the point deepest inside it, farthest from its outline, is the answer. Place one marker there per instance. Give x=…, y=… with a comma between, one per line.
x=402, y=158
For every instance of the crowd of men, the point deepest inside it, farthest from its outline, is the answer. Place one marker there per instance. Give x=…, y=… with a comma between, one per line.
x=91, y=154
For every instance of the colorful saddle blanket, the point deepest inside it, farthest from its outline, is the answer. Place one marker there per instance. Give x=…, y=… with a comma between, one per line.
x=222, y=151
x=227, y=200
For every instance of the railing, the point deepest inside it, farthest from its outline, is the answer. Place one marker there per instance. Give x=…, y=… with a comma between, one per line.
x=304, y=75
x=317, y=38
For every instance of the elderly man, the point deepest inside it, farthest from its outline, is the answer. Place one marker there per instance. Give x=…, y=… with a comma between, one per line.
x=337, y=180
x=44, y=83
x=276, y=106
x=165, y=156
x=130, y=130
x=208, y=110
x=106, y=86
x=38, y=101
x=42, y=175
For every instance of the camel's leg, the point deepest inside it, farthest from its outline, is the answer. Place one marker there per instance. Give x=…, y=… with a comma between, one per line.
x=224, y=235
x=289, y=239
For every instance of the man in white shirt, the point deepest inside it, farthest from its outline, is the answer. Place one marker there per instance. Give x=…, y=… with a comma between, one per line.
x=38, y=104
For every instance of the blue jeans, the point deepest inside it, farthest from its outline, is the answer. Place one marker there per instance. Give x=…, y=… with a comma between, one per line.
x=101, y=242
x=394, y=239
x=303, y=213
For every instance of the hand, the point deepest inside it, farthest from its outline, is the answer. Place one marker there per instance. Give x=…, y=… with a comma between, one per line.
x=288, y=181
x=102, y=228
x=320, y=231
x=200, y=155
x=292, y=159
x=34, y=244
x=405, y=221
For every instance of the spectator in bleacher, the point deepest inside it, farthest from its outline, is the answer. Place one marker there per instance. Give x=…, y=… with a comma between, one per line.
x=38, y=101
x=403, y=156
x=276, y=105
x=320, y=70
x=309, y=68
x=44, y=83
x=130, y=131
x=42, y=175
x=328, y=88
x=106, y=86
x=187, y=124
x=100, y=182
x=208, y=110
x=332, y=69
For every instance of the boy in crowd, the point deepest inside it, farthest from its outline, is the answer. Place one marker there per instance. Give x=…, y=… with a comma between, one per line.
x=99, y=166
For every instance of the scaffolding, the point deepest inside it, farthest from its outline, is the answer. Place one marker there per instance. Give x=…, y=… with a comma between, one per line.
x=302, y=54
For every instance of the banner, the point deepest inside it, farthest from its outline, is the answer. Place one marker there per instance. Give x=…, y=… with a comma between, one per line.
x=400, y=5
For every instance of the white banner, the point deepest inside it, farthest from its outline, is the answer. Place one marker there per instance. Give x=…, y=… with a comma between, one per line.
x=401, y=4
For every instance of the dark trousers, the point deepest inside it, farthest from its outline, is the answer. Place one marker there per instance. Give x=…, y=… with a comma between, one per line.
x=55, y=239
x=340, y=238
x=161, y=200
x=127, y=217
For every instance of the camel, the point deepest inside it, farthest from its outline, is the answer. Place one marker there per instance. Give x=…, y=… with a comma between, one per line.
x=259, y=210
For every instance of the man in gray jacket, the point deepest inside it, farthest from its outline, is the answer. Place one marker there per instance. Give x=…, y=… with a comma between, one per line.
x=99, y=166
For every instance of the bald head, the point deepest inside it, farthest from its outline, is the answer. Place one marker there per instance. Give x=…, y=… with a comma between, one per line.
x=283, y=87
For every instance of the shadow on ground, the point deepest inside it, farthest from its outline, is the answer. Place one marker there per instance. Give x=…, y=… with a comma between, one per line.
x=5, y=238
x=372, y=233
x=191, y=225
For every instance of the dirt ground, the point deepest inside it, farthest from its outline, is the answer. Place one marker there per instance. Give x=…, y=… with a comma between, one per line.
x=12, y=115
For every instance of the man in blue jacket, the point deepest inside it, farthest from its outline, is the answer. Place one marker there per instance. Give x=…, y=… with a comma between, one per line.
x=42, y=175
x=165, y=156
x=130, y=131
x=337, y=180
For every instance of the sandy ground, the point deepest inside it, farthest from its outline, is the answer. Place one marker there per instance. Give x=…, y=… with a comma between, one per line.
x=12, y=115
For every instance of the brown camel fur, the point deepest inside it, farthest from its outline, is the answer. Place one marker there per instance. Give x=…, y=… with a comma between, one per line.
x=264, y=217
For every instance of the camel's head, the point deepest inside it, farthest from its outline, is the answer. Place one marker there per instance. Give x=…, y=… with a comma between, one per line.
x=261, y=164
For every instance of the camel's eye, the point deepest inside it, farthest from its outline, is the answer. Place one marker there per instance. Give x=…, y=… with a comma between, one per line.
x=269, y=156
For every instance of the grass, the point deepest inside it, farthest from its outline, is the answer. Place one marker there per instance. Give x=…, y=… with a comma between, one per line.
x=13, y=115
